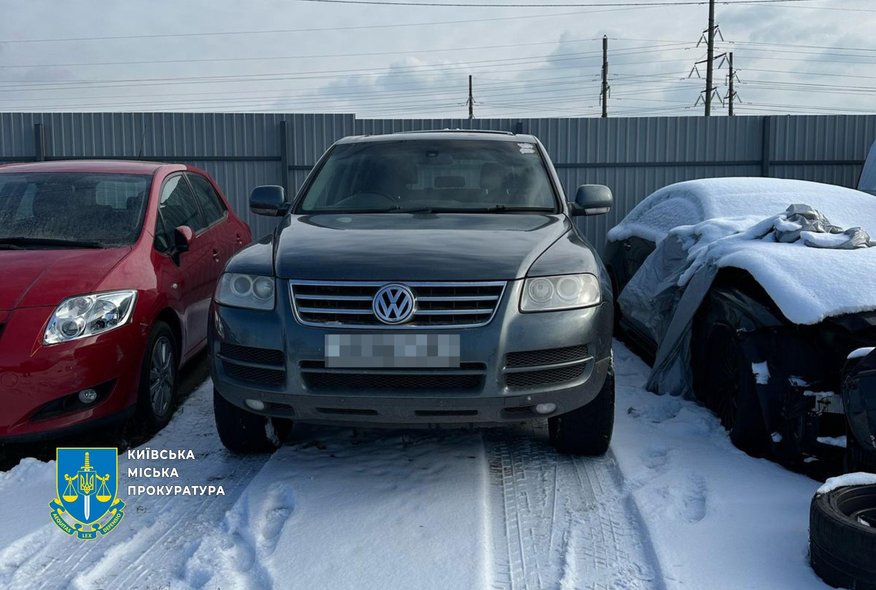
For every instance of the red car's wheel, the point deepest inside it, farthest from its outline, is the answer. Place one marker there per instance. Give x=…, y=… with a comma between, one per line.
x=157, y=395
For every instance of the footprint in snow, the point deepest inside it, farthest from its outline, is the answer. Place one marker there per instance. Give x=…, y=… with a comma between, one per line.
x=279, y=505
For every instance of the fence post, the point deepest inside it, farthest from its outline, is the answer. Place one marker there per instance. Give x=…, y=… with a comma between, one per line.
x=285, y=152
x=765, y=147
x=39, y=142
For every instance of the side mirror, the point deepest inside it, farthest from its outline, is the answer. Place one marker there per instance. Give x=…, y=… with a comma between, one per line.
x=182, y=238
x=592, y=199
x=268, y=200
x=182, y=241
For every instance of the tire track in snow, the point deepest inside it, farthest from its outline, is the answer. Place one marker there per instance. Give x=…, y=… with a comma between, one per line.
x=561, y=521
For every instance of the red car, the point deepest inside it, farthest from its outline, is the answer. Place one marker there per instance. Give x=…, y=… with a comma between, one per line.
x=107, y=273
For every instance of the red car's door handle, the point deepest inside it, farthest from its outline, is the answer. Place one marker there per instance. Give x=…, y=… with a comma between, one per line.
x=239, y=239
x=215, y=254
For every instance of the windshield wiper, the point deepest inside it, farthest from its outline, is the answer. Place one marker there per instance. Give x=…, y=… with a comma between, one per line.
x=19, y=242
x=513, y=209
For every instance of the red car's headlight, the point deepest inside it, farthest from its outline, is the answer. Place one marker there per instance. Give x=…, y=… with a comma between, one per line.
x=87, y=315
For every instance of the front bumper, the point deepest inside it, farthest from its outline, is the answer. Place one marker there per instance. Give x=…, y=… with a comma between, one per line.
x=507, y=367
x=38, y=384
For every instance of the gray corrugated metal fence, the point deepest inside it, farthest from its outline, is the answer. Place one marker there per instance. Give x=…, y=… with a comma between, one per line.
x=632, y=156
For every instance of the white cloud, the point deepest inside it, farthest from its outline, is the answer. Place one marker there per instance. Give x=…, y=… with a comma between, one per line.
x=343, y=58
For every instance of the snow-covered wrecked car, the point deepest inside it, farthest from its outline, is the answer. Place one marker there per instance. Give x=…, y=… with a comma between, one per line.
x=419, y=279
x=750, y=294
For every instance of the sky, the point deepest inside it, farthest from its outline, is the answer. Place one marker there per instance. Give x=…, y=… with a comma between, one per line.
x=376, y=60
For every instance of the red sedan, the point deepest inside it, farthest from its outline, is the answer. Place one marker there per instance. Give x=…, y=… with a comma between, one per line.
x=107, y=273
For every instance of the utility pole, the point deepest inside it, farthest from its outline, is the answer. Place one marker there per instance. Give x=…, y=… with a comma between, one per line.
x=709, y=36
x=470, y=100
x=731, y=93
x=710, y=57
x=605, y=89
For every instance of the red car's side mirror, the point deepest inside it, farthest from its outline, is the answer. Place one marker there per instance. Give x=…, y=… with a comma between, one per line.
x=183, y=236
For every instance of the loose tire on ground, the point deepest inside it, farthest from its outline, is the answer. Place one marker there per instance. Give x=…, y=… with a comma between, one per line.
x=587, y=430
x=244, y=432
x=156, y=398
x=842, y=548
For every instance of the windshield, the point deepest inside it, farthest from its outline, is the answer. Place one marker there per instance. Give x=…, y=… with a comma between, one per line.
x=66, y=209
x=446, y=175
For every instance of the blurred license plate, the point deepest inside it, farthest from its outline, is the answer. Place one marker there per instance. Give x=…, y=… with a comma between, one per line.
x=397, y=351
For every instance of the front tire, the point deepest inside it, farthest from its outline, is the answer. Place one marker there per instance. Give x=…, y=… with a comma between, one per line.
x=156, y=398
x=587, y=430
x=244, y=432
x=724, y=383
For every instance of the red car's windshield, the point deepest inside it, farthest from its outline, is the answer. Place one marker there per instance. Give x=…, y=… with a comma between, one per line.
x=69, y=209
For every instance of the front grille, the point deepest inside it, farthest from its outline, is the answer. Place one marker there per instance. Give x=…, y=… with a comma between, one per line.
x=551, y=356
x=348, y=303
x=248, y=354
x=544, y=377
x=255, y=375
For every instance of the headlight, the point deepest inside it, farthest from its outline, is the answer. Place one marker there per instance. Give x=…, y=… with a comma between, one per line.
x=87, y=315
x=561, y=292
x=250, y=291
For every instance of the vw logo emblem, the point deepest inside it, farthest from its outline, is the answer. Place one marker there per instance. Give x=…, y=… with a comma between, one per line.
x=393, y=304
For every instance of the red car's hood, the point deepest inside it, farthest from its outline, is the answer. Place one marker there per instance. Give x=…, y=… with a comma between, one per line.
x=34, y=278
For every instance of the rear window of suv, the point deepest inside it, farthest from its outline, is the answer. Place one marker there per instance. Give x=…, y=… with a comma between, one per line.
x=441, y=175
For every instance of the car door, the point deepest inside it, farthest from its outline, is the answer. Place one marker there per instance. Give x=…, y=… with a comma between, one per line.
x=228, y=236
x=193, y=272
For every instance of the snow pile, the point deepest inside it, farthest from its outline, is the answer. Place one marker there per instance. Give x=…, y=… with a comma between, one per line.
x=849, y=479
x=807, y=284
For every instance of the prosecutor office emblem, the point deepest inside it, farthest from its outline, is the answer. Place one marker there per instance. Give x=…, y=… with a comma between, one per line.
x=86, y=482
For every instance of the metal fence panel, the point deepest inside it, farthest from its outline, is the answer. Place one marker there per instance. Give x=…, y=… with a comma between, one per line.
x=633, y=156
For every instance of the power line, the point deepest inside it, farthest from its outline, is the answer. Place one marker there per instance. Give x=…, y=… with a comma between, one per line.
x=392, y=25
x=622, y=51
x=493, y=63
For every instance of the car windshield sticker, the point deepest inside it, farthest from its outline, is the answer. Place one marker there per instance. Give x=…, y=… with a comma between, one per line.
x=526, y=148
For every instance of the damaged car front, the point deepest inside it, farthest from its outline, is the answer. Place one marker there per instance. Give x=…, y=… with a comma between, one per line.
x=749, y=297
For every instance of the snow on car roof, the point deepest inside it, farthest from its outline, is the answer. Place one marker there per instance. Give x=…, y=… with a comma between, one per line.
x=807, y=284
x=693, y=201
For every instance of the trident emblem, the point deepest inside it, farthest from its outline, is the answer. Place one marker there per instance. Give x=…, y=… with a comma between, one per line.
x=84, y=479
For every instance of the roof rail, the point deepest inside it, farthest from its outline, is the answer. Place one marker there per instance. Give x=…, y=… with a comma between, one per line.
x=457, y=130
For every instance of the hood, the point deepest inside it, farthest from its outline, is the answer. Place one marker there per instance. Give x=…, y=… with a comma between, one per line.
x=34, y=278
x=414, y=247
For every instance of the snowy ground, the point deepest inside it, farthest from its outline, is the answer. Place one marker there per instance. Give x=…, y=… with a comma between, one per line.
x=673, y=505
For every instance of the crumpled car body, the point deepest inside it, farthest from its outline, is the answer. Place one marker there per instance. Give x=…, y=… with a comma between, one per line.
x=745, y=256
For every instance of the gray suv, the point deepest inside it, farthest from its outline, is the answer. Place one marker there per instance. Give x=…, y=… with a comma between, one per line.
x=418, y=279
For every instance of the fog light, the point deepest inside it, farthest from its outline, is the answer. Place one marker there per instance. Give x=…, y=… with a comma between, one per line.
x=255, y=404
x=88, y=396
x=545, y=408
